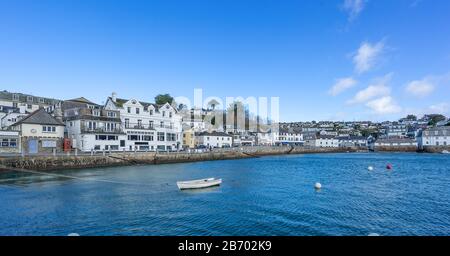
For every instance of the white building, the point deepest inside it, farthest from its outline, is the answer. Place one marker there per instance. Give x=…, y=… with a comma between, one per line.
x=214, y=139
x=93, y=128
x=352, y=141
x=9, y=116
x=288, y=137
x=396, y=142
x=265, y=139
x=148, y=126
x=437, y=136
x=326, y=141
x=10, y=142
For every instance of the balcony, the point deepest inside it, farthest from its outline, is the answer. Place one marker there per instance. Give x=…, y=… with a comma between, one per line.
x=139, y=126
x=102, y=130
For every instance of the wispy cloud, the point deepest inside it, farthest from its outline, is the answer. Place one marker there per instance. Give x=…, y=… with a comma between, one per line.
x=420, y=88
x=341, y=85
x=367, y=56
x=384, y=105
x=353, y=8
x=379, y=87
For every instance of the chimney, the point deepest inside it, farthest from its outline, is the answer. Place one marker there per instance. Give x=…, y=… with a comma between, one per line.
x=114, y=97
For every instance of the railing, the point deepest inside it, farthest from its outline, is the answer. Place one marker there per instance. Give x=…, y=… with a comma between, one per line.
x=101, y=130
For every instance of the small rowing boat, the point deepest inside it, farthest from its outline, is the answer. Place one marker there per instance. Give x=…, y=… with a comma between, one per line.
x=445, y=152
x=204, y=183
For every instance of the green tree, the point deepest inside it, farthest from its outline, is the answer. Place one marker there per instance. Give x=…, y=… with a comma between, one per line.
x=411, y=117
x=161, y=99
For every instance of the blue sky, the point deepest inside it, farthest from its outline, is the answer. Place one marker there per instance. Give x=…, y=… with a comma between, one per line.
x=326, y=60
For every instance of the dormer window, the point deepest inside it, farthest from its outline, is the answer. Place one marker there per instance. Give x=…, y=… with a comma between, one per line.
x=96, y=113
x=15, y=97
x=29, y=98
x=41, y=100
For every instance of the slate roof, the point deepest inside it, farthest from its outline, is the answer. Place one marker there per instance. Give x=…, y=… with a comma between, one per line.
x=23, y=98
x=41, y=117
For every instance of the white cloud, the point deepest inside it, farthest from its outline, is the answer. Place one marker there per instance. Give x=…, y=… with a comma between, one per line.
x=378, y=88
x=353, y=7
x=384, y=105
x=420, y=88
x=441, y=108
x=341, y=85
x=367, y=56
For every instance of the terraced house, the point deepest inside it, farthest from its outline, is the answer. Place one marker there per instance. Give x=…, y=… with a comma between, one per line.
x=148, y=126
x=27, y=103
x=91, y=127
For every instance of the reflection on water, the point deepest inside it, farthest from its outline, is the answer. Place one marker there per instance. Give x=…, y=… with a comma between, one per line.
x=263, y=196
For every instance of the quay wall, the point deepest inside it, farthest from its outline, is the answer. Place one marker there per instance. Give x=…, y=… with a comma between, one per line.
x=50, y=162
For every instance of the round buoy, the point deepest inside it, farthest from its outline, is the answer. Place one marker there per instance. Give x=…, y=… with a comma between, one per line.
x=370, y=168
x=318, y=185
x=373, y=234
x=389, y=166
x=73, y=234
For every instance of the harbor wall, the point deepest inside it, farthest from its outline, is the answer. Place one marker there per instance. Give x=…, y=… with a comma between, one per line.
x=58, y=162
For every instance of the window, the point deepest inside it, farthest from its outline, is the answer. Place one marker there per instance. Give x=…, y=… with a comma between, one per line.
x=133, y=137
x=139, y=123
x=48, y=129
x=161, y=136
x=150, y=123
x=41, y=100
x=161, y=124
x=129, y=110
x=151, y=111
x=137, y=111
x=14, y=104
x=170, y=114
x=15, y=97
x=164, y=113
x=11, y=143
x=96, y=113
x=100, y=137
x=29, y=106
x=29, y=99
x=112, y=114
x=147, y=138
x=127, y=122
x=71, y=124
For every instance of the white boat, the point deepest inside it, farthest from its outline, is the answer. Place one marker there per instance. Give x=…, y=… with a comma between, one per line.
x=445, y=152
x=204, y=183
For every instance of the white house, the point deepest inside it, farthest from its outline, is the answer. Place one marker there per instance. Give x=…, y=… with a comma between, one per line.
x=326, y=141
x=9, y=116
x=10, y=142
x=93, y=128
x=214, y=139
x=351, y=141
x=265, y=138
x=40, y=132
x=288, y=137
x=437, y=136
x=396, y=142
x=148, y=126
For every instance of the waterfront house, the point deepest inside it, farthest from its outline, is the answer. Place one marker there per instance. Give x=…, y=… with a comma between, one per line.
x=10, y=142
x=214, y=139
x=27, y=103
x=326, y=141
x=352, y=141
x=288, y=136
x=189, y=138
x=396, y=142
x=434, y=137
x=265, y=138
x=148, y=126
x=40, y=132
x=90, y=127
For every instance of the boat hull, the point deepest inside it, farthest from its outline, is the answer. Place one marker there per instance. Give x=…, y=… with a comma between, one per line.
x=197, y=184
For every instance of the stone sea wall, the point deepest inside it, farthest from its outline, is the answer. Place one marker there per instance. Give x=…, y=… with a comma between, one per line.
x=128, y=158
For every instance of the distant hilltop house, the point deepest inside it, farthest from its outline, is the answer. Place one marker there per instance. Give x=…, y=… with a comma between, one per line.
x=434, y=137
x=27, y=103
x=40, y=132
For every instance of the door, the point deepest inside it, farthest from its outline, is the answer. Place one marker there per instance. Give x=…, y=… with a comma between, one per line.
x=33, y=146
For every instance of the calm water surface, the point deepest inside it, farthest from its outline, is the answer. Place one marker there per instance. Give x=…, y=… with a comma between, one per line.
x=263, y=196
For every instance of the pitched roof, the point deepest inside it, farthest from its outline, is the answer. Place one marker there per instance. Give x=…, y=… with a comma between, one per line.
x=40, y=116
x=222, y=134
x=83, y=100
